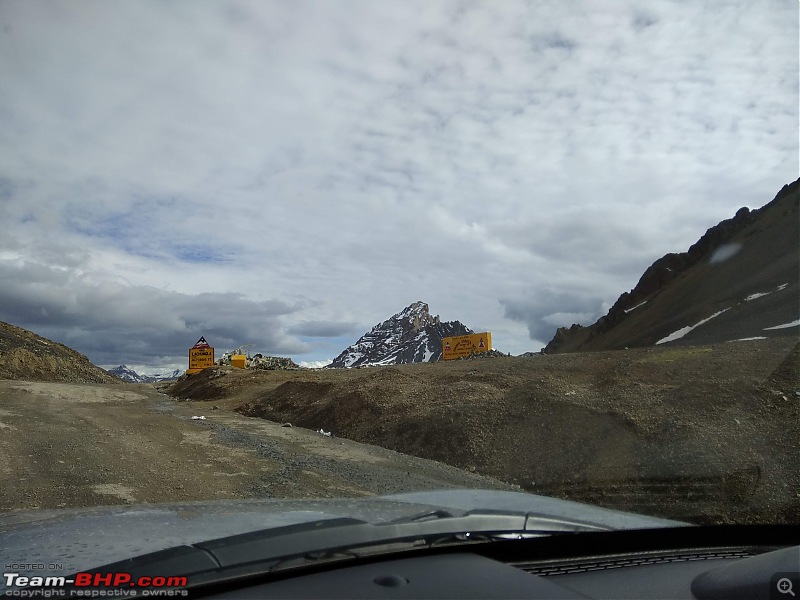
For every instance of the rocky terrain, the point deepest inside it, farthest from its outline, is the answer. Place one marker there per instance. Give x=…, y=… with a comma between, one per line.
x=703, y=433
x=744, y=272
x=411, y=336
x=25, y=355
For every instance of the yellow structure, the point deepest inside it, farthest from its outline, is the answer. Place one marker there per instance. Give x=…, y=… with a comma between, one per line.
x=201, y=356
x=464, y=345
x=239, y=361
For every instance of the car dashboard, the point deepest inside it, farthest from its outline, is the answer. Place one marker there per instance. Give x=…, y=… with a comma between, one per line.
x=694, y=562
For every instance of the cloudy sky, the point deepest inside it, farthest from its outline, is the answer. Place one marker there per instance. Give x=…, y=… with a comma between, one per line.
x=290, y=173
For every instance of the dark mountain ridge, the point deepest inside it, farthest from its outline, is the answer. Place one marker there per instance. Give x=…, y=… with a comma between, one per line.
x=753, y=253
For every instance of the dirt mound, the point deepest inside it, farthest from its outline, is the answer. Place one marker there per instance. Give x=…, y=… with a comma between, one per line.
x=25, y=355
x=205, y=385
x=697, y=433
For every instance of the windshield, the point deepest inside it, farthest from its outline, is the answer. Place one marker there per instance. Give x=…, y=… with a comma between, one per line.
x=347, y=249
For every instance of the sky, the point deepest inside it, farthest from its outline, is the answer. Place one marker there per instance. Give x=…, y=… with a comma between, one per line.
x=289, y=174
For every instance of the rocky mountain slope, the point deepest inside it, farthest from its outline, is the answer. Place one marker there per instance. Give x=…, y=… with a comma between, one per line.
x=25, y=355
x=740, y=280
x=410, y=336
x=127, y=374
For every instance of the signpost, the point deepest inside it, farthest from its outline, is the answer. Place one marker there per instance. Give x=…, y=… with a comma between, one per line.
x=464, y=345
x=201, y=356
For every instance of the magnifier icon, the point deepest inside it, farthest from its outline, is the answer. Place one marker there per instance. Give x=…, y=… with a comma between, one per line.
x=785, y=586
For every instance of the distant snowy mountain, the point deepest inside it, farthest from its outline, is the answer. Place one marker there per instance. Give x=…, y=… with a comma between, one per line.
x=410, y=336
x=127, y=374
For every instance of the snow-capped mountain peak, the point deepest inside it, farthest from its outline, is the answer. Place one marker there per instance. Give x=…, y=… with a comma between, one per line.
x=127, y=374
x=412, y=335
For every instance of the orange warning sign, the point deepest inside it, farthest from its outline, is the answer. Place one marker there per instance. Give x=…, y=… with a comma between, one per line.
x=464, y=345
x=201, y=356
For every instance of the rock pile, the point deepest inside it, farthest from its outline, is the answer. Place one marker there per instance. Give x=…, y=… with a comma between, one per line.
x=272, y=363
x=265, y=363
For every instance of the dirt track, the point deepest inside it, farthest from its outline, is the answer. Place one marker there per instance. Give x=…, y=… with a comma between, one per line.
x=73, y=445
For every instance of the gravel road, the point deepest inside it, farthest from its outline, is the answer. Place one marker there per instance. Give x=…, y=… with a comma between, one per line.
x=78, y=445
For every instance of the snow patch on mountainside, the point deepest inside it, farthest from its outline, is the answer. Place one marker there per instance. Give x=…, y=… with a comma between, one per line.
x=794, y=323
x=676, y=335
x=756, y=296
x=633, y=308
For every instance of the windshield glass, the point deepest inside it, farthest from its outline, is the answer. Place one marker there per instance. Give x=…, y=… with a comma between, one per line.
x=345, y=249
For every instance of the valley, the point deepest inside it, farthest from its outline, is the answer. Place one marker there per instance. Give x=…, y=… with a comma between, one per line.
x=702, y=433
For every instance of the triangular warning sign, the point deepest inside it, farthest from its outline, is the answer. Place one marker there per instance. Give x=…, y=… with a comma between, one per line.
x=481, y=344
x=447, y=345
x=201, y=343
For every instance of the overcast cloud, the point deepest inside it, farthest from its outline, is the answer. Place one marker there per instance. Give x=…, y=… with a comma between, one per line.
x=288, y=174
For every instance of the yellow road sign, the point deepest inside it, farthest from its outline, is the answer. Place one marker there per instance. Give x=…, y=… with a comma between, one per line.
x=464, y=345
x=201, y=356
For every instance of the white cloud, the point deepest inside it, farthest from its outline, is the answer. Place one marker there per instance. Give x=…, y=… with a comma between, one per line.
x=510, y=164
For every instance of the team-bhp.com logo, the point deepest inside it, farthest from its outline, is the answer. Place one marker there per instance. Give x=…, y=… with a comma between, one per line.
x=93, y=585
